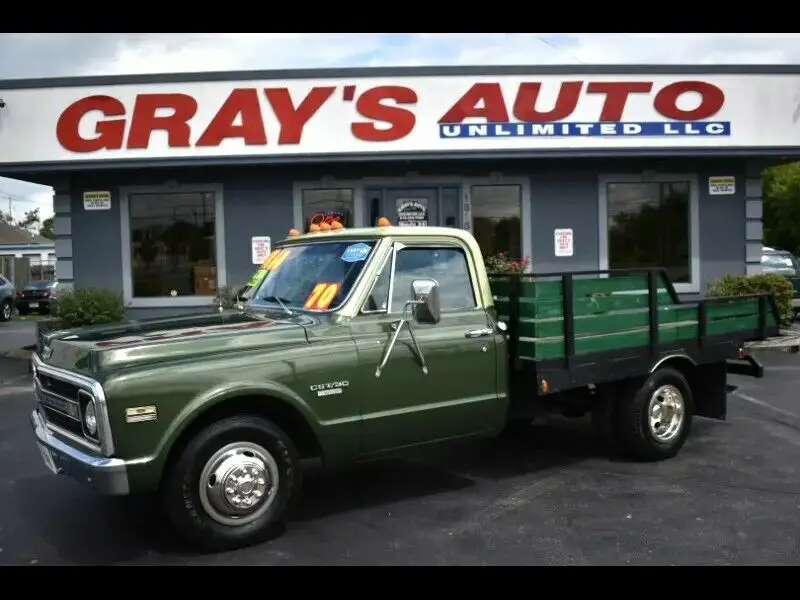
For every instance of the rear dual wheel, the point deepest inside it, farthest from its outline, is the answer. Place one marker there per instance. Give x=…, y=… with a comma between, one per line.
x=650, y=421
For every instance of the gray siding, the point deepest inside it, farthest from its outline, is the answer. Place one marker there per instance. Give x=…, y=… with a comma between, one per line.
x=258, y=201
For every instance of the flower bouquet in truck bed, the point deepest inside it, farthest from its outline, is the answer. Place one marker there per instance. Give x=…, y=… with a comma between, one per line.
x=502, y=264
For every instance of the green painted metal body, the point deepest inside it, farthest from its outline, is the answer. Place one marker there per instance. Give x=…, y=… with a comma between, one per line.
x=186, y=366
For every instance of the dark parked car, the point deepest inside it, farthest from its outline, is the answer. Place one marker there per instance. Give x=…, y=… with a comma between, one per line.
x=36, y=296
x=783, y=263
x=6, y=299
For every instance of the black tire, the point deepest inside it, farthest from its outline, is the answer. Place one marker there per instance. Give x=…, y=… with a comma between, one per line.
x=5, y=310
x=636, y=436
x=189, y=513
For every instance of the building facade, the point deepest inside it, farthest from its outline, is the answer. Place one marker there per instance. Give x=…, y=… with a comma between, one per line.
x=170, y=186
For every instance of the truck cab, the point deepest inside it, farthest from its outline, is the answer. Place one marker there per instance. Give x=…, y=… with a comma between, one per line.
x=355, y=344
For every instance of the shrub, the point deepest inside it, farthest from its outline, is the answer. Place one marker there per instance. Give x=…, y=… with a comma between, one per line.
x=740, y=285
x=89, y=306
x=502, y=264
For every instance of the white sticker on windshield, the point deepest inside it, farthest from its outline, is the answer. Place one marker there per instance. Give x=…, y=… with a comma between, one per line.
x=356, y=253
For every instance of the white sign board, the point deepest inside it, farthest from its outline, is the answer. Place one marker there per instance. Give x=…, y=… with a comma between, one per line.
x=260, y=247
x=563, y=240
x=427, y=114
x=722, y=186
x=96, y=200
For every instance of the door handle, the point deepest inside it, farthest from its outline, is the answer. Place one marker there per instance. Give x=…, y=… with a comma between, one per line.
x=475, y=333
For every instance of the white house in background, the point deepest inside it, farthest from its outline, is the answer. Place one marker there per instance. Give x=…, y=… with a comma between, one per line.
x=16, y=242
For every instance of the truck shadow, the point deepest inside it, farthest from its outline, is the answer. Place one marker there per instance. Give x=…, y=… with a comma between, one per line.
x=77, y=527
x=545, y=445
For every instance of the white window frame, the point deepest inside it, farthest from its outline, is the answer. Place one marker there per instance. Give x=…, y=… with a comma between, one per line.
x=125, y=230
x=328, y=184
x=693, y=286
x=524, y=184
x=413, y=180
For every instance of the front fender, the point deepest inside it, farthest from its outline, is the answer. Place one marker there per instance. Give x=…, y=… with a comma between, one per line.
x=223, y=392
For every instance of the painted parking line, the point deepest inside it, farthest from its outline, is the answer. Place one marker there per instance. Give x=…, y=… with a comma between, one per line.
x=761, y=403
x=19, y=389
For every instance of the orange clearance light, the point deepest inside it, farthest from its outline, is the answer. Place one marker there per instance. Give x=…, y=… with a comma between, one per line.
x=324, y=227
x=337, y=225
x=383, y=222
x=293, y=232
x=313, y=228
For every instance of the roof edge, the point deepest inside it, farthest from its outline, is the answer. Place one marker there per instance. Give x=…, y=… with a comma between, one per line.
x=780, y=154
x=429, y=71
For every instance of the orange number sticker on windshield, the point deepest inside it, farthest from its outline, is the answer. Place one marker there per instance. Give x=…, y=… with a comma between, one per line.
x=275, y=259
x=321, y=296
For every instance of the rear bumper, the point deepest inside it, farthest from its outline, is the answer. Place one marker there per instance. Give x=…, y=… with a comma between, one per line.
x=25, y=303
x=104, y=475
x=747, y=366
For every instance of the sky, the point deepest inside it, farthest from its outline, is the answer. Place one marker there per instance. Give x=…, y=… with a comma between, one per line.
x=24, y=55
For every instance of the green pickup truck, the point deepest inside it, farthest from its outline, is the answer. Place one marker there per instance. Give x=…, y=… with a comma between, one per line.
x=355, y=344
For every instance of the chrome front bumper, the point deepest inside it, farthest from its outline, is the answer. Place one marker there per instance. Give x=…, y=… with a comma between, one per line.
x=104, y=475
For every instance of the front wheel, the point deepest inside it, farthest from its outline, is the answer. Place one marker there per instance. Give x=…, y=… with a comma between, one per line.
x=232, y=484
x=654, y=420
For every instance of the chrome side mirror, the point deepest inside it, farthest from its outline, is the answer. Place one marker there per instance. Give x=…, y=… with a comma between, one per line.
x=426, y=306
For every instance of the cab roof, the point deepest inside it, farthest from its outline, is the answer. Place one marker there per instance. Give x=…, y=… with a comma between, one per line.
x=381, y=232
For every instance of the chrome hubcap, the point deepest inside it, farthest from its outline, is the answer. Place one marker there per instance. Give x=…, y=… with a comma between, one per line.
x=666, y=413
x=6, y=311
x=238, y=483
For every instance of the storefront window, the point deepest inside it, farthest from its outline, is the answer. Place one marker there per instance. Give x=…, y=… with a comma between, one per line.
x=173, y=242
x=496, y=219
x=649, y=227
x=328, y=205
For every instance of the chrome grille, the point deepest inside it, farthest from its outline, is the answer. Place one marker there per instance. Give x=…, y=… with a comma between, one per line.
x=61, y=403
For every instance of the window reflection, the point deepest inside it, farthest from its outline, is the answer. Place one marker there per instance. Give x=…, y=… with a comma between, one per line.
x=173, y=244
x=648, y=227
x=327, y=205
x=496, y=219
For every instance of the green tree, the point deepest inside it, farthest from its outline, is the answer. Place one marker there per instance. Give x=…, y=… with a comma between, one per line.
x=782, y=207
x=46, y=230
x=6, y=218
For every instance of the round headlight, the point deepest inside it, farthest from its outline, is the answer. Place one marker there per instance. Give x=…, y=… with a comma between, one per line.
x=90, y=419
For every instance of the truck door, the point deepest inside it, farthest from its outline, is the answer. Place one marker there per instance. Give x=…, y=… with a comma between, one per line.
x=458, y=397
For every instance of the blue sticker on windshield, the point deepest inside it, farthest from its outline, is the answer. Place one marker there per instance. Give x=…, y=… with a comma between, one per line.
x=356, y=253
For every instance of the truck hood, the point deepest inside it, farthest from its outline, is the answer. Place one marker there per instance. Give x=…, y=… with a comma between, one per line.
x=107, y=347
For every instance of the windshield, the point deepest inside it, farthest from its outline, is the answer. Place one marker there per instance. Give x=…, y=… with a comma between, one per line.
x=314, y=276
x=778, y=263
x=38, y=285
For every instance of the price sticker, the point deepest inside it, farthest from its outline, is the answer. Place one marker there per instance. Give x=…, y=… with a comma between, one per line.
x=275, y=259
x=321, y=296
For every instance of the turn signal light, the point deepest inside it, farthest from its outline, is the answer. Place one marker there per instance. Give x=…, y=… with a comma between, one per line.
x=337, y=225
x=293, y=232
x=383, y=222
x=324, y=227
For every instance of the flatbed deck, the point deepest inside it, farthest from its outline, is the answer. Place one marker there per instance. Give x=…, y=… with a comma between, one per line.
x=590, y=327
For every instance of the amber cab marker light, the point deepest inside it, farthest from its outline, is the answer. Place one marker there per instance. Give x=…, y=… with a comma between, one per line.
x=293, y=232
x=383, y=222
x=324, y=227
x=313, y=228
x=337, y=225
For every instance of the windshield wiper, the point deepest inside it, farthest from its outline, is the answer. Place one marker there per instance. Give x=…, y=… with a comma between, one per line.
x=281, y=301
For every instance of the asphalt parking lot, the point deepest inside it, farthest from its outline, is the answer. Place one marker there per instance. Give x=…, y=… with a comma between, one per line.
x=732, y=497
x=16, y=334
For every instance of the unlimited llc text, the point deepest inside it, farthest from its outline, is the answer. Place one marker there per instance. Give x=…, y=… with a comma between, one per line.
x=562, y=129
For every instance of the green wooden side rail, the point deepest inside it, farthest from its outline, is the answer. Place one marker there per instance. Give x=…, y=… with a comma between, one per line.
x=560, y=315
